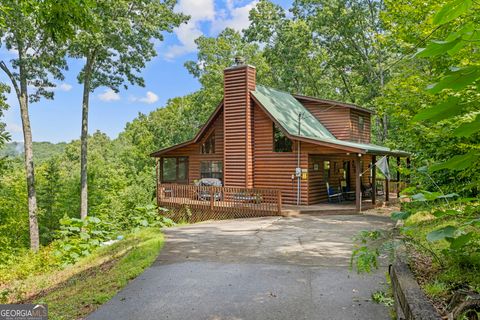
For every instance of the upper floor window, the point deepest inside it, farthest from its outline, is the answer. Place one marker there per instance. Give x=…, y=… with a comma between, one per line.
x=208, y=146
x=361, y=123
x=280, y=142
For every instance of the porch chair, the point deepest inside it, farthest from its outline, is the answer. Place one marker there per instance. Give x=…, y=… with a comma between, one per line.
x=366, y=190
x=205, y=194
x=333, y=195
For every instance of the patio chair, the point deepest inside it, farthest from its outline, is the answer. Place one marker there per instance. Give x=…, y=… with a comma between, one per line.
x=366, y=190
x=205, y=194
x=348, y=194
x=379, y=188
x=333, y=195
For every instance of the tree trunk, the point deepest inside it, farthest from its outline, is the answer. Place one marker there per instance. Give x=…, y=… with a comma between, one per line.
x=84, y=138
x=29, y=166
x=22, y=96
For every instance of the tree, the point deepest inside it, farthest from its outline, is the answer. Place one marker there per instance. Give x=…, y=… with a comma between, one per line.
x=116, y=46
x=38, y=59
x=335, y=49
x=217, y=53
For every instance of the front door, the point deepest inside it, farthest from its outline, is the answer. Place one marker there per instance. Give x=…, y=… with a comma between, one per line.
x=346, y=183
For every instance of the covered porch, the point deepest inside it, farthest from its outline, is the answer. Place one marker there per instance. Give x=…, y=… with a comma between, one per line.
x=353, y=182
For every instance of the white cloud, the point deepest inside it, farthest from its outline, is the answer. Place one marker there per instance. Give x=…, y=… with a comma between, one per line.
x=64, y=87
x=202, y=11
x=149, y=98
x=109, y=95
x=197, y=9
x=234, y=17
x=186, y=35
x=14, y=127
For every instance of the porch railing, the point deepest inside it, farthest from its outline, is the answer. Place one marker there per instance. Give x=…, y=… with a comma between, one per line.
x=198, y=203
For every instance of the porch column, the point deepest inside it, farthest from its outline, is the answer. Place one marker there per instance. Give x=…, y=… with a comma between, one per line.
x=387, y=190
x=398, y=177
x=157, y=179
x=358, y=183
x=374, y=180
x=408, y=167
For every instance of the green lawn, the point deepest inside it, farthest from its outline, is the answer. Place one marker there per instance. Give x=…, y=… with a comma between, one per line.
x=77, y=290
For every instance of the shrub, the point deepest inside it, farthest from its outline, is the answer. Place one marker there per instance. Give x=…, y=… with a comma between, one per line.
x=78, y=238
x=146, y=216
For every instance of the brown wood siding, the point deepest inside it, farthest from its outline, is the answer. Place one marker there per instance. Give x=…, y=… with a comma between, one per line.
x=275, y=169
x=238, y=143
x=193, y=151
x=357, y=134
x=335, y=118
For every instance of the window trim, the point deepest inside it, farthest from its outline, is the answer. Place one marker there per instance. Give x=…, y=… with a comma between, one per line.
x=177, y=161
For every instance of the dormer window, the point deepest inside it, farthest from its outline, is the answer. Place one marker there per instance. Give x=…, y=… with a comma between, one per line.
x=361, y=123
x=281, y=143
x=208, y=146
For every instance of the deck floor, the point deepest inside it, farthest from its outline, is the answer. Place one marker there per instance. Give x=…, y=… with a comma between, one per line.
x=344, y=207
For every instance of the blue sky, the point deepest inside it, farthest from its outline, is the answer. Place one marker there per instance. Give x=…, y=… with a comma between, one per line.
x=165, y=78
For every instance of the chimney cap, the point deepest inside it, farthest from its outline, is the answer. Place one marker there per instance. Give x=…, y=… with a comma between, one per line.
x=239, y=60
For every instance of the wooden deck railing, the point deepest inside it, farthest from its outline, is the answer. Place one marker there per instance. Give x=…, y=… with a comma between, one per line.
x=198, y=203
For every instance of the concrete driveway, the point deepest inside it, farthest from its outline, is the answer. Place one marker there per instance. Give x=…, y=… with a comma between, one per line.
x=264, y=268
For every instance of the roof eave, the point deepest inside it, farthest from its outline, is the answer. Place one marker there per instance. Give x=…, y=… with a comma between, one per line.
x=197, y=136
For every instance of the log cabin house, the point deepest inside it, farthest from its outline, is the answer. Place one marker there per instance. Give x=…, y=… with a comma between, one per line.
x=263, y=138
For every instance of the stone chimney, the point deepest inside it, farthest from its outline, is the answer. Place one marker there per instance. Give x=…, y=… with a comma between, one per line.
x=239, y=80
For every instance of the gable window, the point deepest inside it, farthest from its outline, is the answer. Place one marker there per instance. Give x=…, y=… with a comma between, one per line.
x=361, y=123
x=174, y=169
x=211, y=169
x=208, y=146
x=280, y=142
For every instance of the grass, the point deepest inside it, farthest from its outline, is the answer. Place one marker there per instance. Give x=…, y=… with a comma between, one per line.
x=76, y=291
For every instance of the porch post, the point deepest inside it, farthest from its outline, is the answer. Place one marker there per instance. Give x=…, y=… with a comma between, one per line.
x=398, y=177
x=387, y=190
x=157, y=177
x=358, y=188
x=374, y=180
x=408, y=167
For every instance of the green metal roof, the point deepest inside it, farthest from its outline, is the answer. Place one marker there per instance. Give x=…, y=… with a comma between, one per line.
x=284, y=108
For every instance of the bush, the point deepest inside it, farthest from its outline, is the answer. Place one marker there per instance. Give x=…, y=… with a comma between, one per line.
x=78, y=238
x=146, y=216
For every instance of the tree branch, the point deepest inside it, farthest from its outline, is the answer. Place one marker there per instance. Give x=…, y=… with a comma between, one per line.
x=4, y=67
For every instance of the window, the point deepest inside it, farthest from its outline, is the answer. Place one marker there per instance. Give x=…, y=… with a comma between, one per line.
x=326, y=170
x=280, y=142
x=361, y=123
x=211, y=169
x=208, y=146
x=174, y=169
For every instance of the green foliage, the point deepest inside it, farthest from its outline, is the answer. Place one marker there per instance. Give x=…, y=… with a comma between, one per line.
x=382, y=297
x=147, y=216
x=369, y=246
x=79, y=238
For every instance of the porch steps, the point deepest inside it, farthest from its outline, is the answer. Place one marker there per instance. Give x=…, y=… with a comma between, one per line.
x=321, y=209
